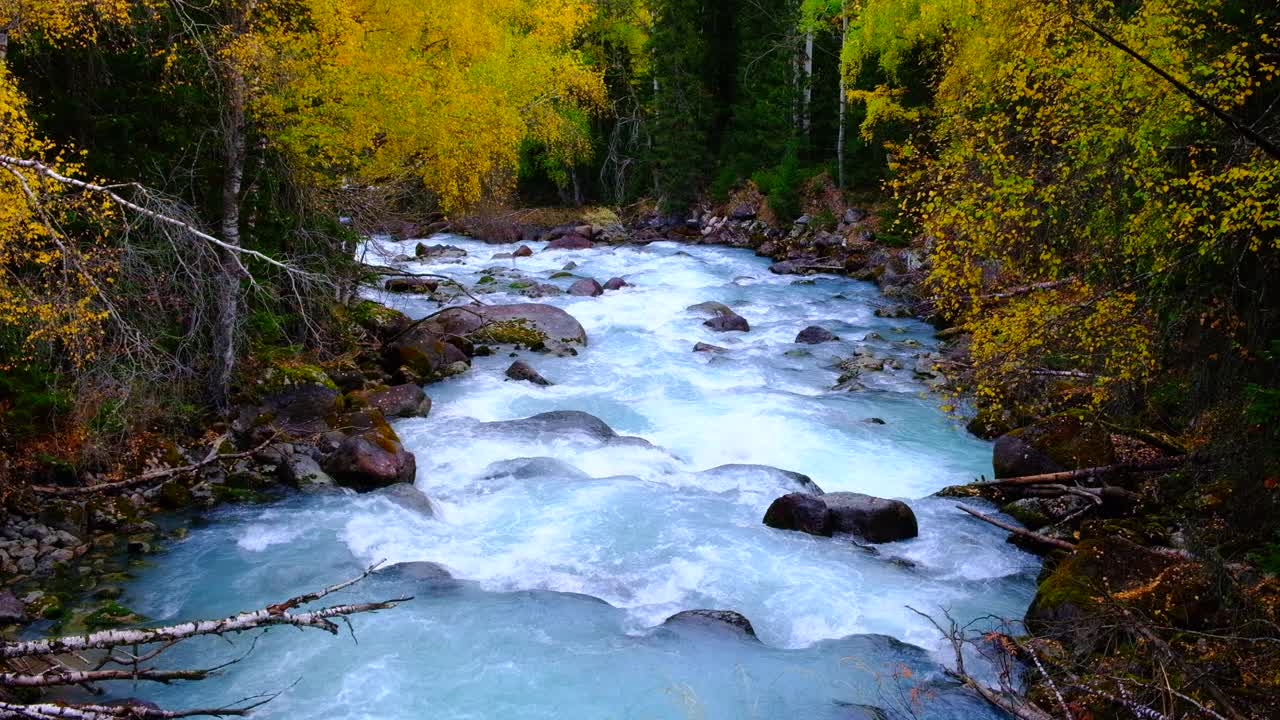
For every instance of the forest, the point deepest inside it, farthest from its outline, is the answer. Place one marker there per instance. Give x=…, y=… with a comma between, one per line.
x=214, y=228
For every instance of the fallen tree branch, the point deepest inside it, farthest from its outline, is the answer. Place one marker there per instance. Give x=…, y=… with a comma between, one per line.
x=1023, y=532
x=153, y=475
x=1085, y=473
x=1024, y=289
x=57, y=677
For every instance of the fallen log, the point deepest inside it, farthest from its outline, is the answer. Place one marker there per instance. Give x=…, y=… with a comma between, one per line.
x=1021, y=532
x=1085, y=473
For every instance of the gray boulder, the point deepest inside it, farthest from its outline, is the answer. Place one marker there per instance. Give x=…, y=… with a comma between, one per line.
x=723, y=318
x=406, y=400
x=439, y=252
x=11, y=608
x=707, y=347
x=305, y=473
x=730, y=620
x=768, y=473
x=562, y=423
x=502, y=324
x=534, y=467
x=616, y=283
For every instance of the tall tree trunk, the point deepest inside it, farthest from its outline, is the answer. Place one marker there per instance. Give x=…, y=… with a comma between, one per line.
x=806, y=103
x=844, y=102
x=227, y=290
x=4, y=45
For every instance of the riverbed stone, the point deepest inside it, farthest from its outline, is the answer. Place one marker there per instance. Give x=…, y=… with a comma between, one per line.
x=439, y=252
x=407, y=400
x=527, y=324
x=708, y=347
x=522, y=251
x=371, y=460
x=570, y=242
x=430, y=573
x=586, y=287
x=726, y=320
x=520, y=370
x=305, y=473
x=563, y=423
x=409, y=497
x=616, y=283
x=534, y=467
x=799, y=511
x=1058, y=443
x=730, y=620
x=814, y=335
x=11, y=608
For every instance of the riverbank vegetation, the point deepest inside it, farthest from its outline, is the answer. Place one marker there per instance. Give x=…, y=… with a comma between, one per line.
x=1088, y=192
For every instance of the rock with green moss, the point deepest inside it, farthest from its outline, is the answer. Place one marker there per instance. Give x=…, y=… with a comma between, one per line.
x=1061, y=442
x=531, y=325
x=111, y=614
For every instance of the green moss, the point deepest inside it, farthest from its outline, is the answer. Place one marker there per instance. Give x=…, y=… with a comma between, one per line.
x=561, y=274
x=486, y=280
x=111, y=614
x=49, y=607
x=511, y=332
x=226, y=493
x=520, y=285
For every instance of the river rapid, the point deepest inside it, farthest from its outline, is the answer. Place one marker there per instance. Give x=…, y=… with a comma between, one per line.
x=566, y=571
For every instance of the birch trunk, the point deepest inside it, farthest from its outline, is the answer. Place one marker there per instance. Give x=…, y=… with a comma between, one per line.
x=844, y=102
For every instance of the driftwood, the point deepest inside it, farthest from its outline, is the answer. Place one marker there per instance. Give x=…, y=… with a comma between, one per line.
x=152, y=476
x=120, y=648
x=1022, y=532
x=1086, y=473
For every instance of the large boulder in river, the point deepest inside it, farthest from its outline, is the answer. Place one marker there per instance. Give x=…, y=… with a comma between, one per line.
x=534, y=467
x=813, y=335
x=875, y=519
x=561, y=424
x=799, y=511
x=409, y=497
x=406, y=400
x=616, y=283
x=586, y=287
x=730, y=620
x=371, y=460
x=439, y=252
x=532, y=324
x=1058, y=443
x=300, y=409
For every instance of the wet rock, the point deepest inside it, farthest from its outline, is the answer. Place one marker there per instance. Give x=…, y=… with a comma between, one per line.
x=522, y=251
x=369, y=461
x=874, y=421
x=11, y=608
x=802, y=482
x=534, y=467
x=424, y=351
x=721, y=619
x=723, y=318
x=893, y=311
x=560, y=423
x=586, y=287
x=520, y=323
x=875, y=519
x=616, y=283
x=296, y=409
x=418, y=285
x=379, y=320
x=306, y=474
x=406, y=400
x=427, y=573
x=439, y=252
x=1055, y=444
x=707, y=347
x=409, y=497
x=785, y=267
x=799, y=511
x=570, y=242
x=520, y=370
x=814, y=335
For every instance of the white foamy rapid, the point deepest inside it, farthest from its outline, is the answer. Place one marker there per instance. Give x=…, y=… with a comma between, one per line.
x=636, y=527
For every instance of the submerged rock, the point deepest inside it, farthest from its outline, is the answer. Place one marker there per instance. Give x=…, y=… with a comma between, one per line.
x=874, y=519
x=520, y=370
x=409, y=497
x=560, y=423
x=707, y=347
x=430, y=574
x=522, y=251
x=616, y=283
x=814, y=335
x=782, y=477
x=722, y=619
x=534, y=467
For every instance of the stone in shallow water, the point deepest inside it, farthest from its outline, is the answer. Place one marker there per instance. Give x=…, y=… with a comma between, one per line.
x=408, y=497
x=773, y=474
x=586, y=287
x=799, y=511
x=534, y=467
x=708, y=347
x=874, y=519
x=561, y=423
x=721, y=619
x=520, y=370
x=814, y=335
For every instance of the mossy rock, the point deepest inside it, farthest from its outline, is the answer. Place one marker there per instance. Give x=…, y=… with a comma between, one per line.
x=111, y=614
x=237, y=495
x=377, y=319
x=48, y=606
x=1060, y=442
x=511, y=332
x=175, y=495
x=1075, y=601
x=561, y=274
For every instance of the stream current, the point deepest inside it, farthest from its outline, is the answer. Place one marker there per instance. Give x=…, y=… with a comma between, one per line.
x=566, y=572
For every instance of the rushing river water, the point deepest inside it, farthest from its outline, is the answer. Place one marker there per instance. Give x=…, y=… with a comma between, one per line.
x=567, y=573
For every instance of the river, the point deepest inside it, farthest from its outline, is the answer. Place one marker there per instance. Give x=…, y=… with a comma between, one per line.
x=566, y=572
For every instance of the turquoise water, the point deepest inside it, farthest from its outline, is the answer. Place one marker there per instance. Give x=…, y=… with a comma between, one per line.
x=566, y=576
